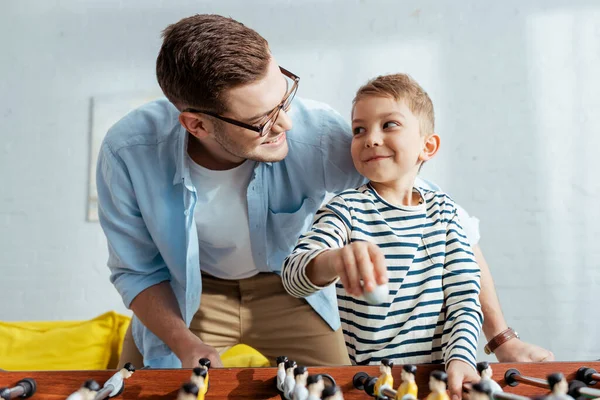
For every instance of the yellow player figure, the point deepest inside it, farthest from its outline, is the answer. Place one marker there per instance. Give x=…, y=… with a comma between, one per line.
x=437, y=384
x=408, y=385
x=188, y=391
x=205, y=364
x=385, y=379
x=199, y=376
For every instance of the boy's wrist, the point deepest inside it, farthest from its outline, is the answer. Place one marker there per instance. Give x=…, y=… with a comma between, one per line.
x=320, y=270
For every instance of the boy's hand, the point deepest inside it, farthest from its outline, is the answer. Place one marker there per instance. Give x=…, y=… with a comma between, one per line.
x=459, y=372
x=356, y=261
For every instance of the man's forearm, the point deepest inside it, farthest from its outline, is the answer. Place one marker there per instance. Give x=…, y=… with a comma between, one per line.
x=158, y=310
x=493, y=319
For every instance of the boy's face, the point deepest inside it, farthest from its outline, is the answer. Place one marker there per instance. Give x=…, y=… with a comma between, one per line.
x=387, y=144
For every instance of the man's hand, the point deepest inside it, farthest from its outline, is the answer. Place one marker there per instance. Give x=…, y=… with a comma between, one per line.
x=192, y=349
x=459, y=372
x=516, y=350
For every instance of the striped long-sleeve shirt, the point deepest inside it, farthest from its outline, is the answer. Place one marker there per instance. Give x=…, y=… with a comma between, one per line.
x=432, y=313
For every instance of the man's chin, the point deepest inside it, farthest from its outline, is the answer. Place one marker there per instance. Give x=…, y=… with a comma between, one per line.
x=271, y=156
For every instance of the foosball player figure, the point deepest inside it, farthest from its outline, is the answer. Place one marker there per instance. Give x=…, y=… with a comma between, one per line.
x=385, y=379
x=118, y=379
x=205, y=363
x=481, y=390
x=188, y=391
x=486, y=373
x=332, y=393
x=281, y=360
x=300, y=375
x=198, y=378
x=87, y=391
x=559, y=387
x=437, y=385
x=315, y=385
x=288, y=383
x=408, y=385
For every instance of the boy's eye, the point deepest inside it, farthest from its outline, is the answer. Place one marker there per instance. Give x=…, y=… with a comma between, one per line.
x=390, y=124
x=357, y=130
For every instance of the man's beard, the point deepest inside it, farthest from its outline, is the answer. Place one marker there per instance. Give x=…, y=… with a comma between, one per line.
x=231, y=147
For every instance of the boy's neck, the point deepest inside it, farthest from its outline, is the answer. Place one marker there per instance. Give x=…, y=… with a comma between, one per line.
x=399, y=192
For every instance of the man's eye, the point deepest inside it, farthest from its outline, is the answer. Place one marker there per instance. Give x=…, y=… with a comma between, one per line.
x=358, y=130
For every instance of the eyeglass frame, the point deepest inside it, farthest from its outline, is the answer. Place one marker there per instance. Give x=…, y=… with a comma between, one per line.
x=271, y=115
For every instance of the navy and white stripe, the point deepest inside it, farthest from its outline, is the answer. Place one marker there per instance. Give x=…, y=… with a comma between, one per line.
x=432, y=314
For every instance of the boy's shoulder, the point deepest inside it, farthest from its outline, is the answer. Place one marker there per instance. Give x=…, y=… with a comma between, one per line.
x=437, y=199
x=360, y=194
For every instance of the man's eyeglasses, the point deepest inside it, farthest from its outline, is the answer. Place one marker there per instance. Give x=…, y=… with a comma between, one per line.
x=265, y=127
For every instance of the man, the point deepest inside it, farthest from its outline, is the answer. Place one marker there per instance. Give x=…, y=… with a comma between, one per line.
x=201, y=198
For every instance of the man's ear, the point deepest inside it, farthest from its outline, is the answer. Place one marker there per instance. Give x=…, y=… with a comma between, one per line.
x=196, y=124
x=430, y=147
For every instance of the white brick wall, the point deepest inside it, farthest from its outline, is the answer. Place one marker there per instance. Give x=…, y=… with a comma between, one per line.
x=515, y=85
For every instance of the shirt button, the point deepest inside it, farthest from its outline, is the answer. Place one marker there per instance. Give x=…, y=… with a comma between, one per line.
x=186, y=212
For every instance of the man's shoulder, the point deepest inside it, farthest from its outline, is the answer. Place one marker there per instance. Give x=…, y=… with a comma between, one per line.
x=150, y=123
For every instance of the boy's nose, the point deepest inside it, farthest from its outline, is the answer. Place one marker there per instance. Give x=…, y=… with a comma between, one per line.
x=373, y=140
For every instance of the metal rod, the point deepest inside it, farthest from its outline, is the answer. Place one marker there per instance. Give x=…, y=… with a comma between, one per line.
x=467, y=387
x=508, y=396
x=590, y=393
x=12, y=393
x=389, y=392
x=24, y=388
x=513, y=377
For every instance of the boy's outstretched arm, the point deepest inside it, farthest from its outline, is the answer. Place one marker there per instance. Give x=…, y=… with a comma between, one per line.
x=330, y=230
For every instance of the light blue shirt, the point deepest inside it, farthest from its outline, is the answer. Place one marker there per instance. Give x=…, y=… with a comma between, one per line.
x=146, y=204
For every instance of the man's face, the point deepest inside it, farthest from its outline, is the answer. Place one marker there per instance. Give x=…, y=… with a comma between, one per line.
x=252, y=104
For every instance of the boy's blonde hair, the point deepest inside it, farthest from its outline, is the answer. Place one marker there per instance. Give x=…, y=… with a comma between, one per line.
x=401, y=87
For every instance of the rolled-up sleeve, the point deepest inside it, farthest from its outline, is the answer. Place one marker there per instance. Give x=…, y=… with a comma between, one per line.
x=134, y=260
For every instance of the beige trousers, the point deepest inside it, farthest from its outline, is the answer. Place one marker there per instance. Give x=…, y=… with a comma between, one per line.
x=259, y=313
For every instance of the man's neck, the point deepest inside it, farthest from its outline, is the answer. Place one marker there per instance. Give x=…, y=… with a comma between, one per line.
x=203, y=156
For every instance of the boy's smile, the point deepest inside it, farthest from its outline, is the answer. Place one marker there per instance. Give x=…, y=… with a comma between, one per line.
x=387, y=145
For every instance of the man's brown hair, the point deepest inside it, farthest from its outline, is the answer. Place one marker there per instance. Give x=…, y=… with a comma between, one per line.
x=205, y=55
x=401, y=87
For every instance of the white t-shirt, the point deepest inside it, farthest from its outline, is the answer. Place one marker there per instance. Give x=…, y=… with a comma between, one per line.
x=221, y=217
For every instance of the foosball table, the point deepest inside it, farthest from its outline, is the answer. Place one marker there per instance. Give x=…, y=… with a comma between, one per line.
x=518, y=381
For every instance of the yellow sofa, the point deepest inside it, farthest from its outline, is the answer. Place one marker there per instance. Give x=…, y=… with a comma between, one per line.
x=63, y=345
x=93, y=344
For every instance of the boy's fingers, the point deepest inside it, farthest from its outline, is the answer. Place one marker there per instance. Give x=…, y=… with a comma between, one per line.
x=365, y=267
x=379, y=264
x=349, y=266
x=455, y=381
x=341, y=272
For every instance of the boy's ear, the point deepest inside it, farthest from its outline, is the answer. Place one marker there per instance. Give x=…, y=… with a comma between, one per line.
x=196, y=124
x=430, y=147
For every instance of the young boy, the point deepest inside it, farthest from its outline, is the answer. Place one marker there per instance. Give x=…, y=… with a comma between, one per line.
x=391, y=232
